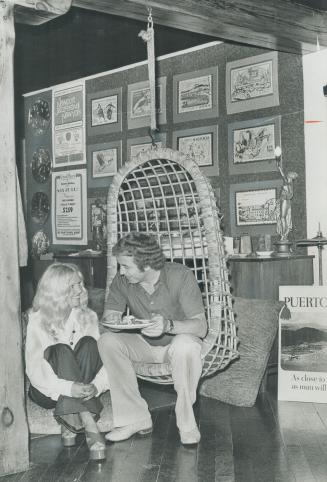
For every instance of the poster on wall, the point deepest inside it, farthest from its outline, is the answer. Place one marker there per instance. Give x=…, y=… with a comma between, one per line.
x=69, y=207
x=302, y=360
x=68, y=128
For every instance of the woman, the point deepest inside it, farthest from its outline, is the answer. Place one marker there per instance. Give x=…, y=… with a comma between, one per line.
x=62, y=359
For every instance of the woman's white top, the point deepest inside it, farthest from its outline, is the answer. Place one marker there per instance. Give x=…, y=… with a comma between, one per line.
x=39, y=371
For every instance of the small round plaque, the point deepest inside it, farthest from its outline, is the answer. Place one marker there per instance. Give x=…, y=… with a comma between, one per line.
x=41, y=165
x=40, y=207
x=40, y=243
x=39, y=116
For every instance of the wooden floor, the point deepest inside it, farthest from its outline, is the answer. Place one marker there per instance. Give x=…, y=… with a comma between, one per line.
x=269, y=442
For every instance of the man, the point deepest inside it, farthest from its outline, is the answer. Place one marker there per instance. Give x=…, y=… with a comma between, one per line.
x=168, y=294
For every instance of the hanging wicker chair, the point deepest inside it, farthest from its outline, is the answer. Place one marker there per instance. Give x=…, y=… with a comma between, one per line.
x=163, y=192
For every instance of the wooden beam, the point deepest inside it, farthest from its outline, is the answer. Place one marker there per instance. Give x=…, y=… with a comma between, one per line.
x=35, y=12
x=283, y=25
x=13, y=424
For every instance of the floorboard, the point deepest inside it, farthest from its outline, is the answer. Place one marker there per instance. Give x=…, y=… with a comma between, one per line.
x=270, y=442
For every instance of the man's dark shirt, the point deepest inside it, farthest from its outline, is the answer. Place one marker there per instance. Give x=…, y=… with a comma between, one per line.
x=177, y=296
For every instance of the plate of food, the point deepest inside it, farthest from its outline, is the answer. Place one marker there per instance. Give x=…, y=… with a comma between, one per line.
x=129, y=323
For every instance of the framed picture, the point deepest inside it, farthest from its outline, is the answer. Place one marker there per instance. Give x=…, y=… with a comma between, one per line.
x=195, y=95
x=139, y=103
x=251, y=145
x=201, y=145
x=103, y=112
x=104, y=161
x=142, y=144
x=253, y=207
x=252, y=83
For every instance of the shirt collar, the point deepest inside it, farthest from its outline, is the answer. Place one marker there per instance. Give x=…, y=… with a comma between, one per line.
x=162, y=277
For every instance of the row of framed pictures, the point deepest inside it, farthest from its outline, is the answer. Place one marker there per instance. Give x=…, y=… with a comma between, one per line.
x=251, y=83
x=201, y=144
x=195, y=97
x=251, y=147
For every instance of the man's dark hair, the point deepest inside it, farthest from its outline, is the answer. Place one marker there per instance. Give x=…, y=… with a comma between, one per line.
x=143, y=247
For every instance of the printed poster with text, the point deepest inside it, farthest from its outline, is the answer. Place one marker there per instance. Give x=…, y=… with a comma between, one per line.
x=302, y=364
x=69, y=204
x=68, y=129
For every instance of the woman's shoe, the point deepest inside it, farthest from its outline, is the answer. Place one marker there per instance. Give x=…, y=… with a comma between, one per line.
x=71, y=421
x=96, y=445
x=68, y=438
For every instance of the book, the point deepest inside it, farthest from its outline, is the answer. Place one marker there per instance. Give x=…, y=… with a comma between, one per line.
x=302, y=357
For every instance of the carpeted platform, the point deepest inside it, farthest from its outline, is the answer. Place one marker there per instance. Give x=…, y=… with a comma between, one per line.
x=41, y=421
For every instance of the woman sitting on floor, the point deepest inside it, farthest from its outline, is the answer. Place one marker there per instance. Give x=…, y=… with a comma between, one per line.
x=62, y=359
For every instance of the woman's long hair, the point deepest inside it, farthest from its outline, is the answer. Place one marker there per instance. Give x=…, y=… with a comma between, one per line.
x=52, y=298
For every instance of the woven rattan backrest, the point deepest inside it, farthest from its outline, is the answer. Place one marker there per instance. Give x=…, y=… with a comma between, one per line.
x=163, y=192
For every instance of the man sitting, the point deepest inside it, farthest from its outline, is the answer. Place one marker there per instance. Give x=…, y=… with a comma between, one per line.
x=168, y=294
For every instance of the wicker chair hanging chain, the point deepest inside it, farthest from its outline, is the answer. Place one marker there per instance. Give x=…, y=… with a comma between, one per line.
x=148, y=37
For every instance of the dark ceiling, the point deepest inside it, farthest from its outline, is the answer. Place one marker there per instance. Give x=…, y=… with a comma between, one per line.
x=83, y=43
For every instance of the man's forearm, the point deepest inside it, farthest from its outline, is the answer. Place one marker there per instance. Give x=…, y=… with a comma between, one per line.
x=196, y=326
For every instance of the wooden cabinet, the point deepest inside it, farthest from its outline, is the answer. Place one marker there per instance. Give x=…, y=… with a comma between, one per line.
x=258, y=277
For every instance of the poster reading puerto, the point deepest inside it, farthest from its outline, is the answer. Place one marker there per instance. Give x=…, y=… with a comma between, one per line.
x=69, y=205
x=68, y=125
x=302, y=370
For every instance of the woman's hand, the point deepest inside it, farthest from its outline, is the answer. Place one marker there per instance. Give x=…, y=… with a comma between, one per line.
x=83, y=390
x=157, y=328
x=92, y=391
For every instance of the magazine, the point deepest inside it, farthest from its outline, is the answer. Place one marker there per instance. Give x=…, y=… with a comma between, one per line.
x=302, y=360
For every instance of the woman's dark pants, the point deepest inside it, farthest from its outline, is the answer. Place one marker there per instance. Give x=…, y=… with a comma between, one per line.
x=80, y=364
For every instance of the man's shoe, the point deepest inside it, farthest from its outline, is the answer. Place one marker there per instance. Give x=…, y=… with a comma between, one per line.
x=190, y=438
x=144, y=427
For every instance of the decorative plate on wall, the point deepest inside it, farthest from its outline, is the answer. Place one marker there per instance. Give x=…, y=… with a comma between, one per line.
x=39, y=116
x=41, y=165
x=40, y=243
x=40, y=207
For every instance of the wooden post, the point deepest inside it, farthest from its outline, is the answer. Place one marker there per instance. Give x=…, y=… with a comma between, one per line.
x=13, y=423
x=35, y=12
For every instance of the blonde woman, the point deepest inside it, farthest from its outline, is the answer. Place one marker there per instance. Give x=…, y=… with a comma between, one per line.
x=62, y=359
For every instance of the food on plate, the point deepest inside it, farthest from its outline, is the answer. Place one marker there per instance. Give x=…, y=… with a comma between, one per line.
x=131, y=320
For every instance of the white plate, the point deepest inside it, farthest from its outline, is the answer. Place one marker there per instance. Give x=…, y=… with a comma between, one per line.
x=139, y=324
x=264, y=253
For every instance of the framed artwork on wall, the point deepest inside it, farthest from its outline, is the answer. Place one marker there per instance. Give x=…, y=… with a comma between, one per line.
x=251, y=145
x=68, y=124
x=103, y=112
x=139, y=103
x=253, y=207
x=195, y=95
x=142, y=144
x=104, y=160
x=252, y=83
x=201, y=145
